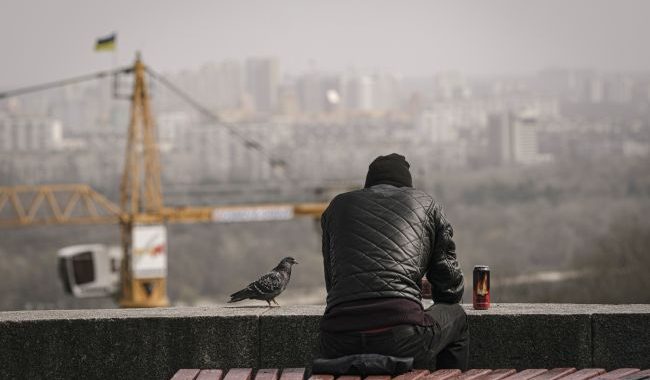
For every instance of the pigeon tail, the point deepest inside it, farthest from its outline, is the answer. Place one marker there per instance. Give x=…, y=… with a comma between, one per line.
x=241, y=295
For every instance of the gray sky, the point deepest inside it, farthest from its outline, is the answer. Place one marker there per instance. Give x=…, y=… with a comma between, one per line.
x=44, y=40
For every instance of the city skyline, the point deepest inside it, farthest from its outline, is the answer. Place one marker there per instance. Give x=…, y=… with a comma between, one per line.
x=503, y=37
x=529, y=121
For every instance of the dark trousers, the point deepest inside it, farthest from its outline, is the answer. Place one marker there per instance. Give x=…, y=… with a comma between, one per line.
x=443, y=345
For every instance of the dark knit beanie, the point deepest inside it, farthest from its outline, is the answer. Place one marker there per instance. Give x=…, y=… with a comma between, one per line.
x=392, y=169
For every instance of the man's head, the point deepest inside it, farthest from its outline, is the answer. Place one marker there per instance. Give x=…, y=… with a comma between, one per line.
x=392, y=169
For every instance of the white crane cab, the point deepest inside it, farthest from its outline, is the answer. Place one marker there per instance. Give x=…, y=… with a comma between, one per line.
x=91, y=270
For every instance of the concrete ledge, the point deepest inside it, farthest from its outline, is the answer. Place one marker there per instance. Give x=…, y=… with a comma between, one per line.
x=560, y=335
x=125, y=344
x=530, y=341
x=621, y=339
x=154, y=343
x=289, y=339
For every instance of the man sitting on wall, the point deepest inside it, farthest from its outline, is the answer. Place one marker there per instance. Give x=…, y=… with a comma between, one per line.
x=378, y=244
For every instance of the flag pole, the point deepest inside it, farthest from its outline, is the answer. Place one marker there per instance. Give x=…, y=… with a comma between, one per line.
x=115, y=51
x=103, y=44
x=111, y=101
x=112, y=98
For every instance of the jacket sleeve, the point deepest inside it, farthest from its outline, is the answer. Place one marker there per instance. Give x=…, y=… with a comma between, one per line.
x=444, y=273
x=326, y=252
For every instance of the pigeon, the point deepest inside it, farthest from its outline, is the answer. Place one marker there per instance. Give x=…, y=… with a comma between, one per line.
x=268, y=286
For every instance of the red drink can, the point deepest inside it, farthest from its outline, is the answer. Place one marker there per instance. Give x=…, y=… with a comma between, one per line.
x=481, y=293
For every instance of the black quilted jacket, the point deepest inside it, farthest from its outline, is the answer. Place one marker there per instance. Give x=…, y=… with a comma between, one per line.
x=380, y=241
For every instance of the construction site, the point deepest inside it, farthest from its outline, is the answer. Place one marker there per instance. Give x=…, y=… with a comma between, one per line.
x=288, y=190
x=134, y=272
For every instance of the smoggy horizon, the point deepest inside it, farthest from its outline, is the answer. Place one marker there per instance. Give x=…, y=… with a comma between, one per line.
x=500, y=38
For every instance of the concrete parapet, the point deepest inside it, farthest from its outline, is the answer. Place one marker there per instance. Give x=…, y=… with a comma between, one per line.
x=125, y=344
x=621, y=339
x=289, y=339
x=154, y=343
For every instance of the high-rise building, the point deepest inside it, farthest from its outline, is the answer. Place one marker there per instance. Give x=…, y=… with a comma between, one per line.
x=205, y=84
x=366, y=91
x=28, y=133
x=512, y=139
x=386, y=91
x=311, y=94
x=498, y=139
x=523, y=130
x=619, y=89
x=370, y=91
x=288, y=103
x=318, y=93
x=262, y=80
x=450, y=85
x=331, y=86
x=173, y=128
x=437, y=126
x=358, y=91
x=230, y=87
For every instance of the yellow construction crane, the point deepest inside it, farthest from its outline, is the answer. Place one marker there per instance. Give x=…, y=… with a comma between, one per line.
x=141, y=213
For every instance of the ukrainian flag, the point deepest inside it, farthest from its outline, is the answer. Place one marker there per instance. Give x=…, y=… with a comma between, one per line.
x=106, y=43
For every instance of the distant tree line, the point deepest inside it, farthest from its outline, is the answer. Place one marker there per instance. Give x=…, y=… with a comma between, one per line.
x=580, y=215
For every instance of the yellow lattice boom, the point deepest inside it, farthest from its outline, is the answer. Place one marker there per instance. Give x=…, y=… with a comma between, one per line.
x=55, y=204
x=22, y=206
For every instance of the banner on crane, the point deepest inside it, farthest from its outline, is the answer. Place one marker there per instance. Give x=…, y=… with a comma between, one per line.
x=252, y=214
x=149, y=251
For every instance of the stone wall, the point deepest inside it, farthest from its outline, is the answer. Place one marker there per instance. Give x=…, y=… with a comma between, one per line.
x=154, y=343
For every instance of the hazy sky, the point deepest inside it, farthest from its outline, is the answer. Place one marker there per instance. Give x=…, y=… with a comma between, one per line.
x=43, y=40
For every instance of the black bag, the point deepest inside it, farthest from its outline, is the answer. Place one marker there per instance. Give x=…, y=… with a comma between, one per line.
x=363, y=365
